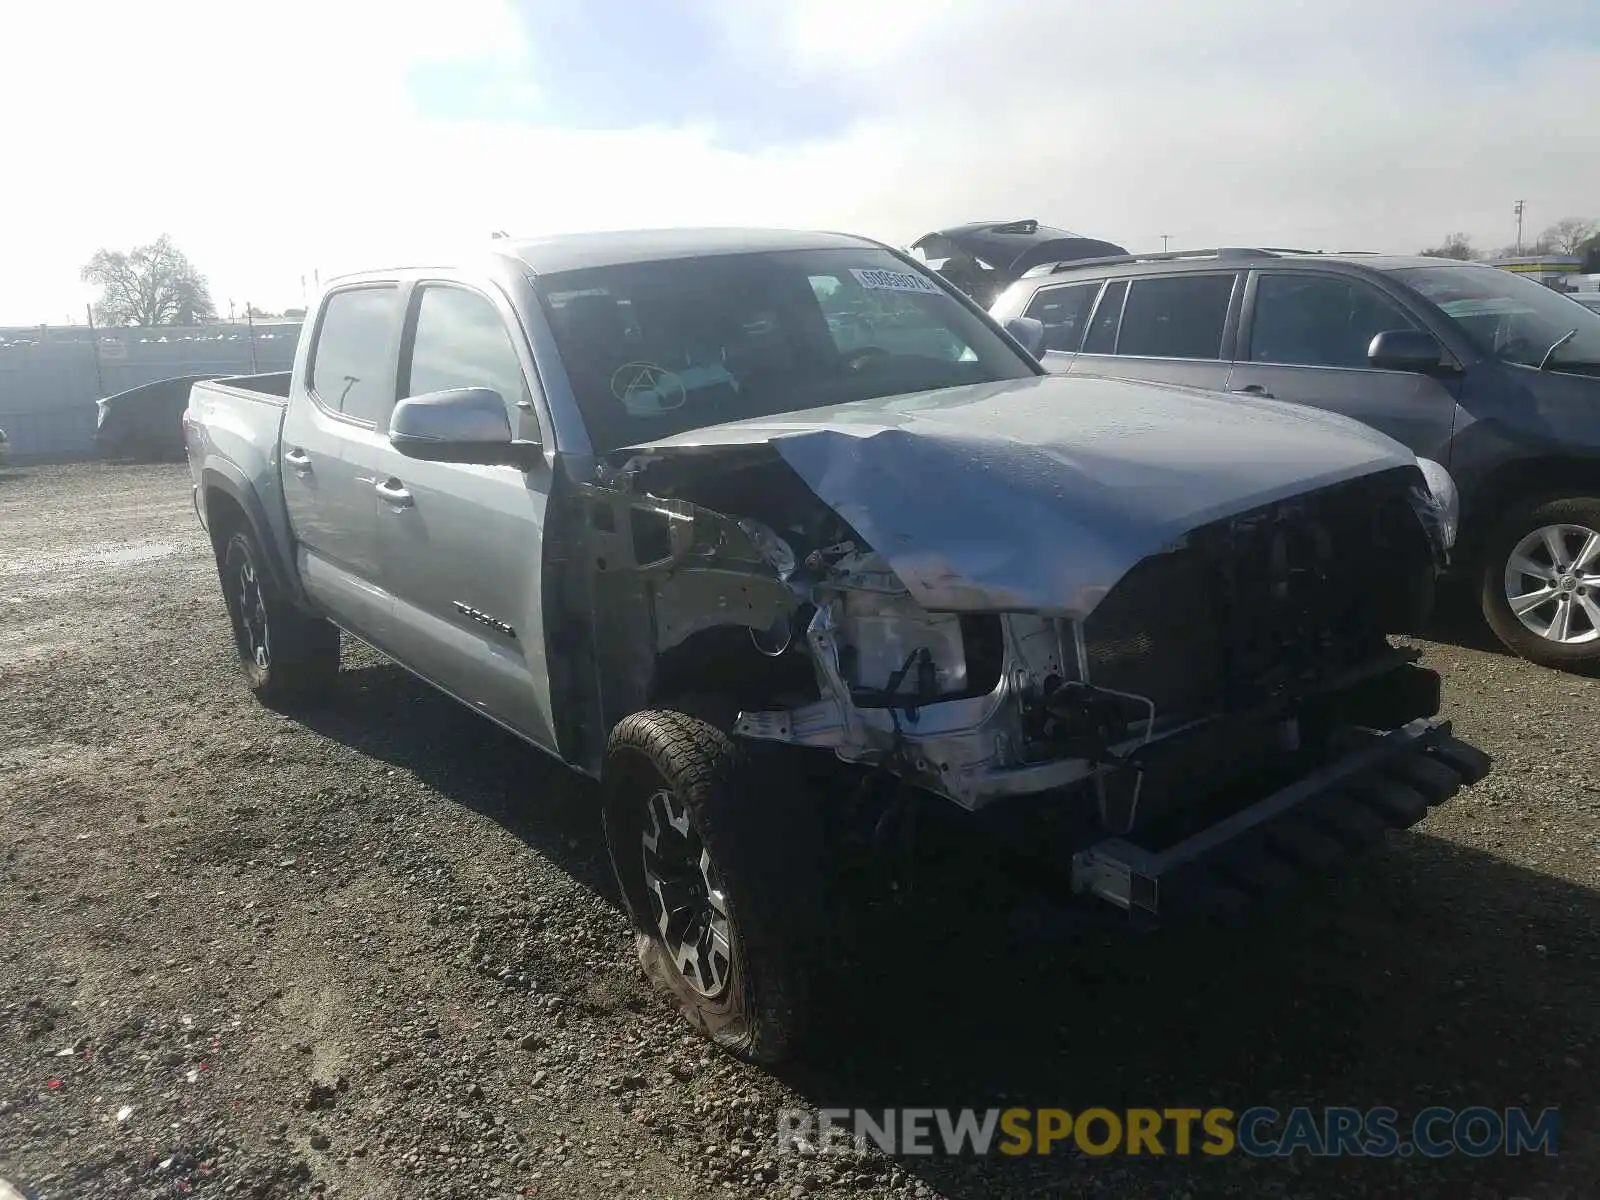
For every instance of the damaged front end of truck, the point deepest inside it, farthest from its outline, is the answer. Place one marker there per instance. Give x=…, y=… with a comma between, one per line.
x=1187, y=682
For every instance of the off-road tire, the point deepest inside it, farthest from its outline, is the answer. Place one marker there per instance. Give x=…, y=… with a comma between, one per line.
x=761, y=827
x=302, y=652
x=1497, y=547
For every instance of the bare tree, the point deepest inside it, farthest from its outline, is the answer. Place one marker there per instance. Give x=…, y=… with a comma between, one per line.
x=1589, y=251
x=148, y=285
x=1455, y=245
x=1531, y=250
x=1568, y=234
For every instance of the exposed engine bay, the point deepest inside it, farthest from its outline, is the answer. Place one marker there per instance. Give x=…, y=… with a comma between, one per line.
x=1247, y=637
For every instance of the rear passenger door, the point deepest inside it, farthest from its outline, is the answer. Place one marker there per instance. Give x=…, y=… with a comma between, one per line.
x=330, y=440
x=1164, y=328
x=1305, y=341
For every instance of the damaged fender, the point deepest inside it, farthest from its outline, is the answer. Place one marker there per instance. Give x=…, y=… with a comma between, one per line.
x=677, y=568
x=1023, y=504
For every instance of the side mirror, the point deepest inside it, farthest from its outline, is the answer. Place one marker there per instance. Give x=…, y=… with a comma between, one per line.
x=462, y=425
x=1029, y=332
x=1406, y=350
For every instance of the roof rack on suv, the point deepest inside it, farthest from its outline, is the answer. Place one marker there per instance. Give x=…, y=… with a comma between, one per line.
x=1221, y=253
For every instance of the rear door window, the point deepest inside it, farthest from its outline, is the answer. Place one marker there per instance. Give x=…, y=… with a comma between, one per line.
x=350, y=362
x=1064, y=312
x=1180, y=316
x=1102, y=335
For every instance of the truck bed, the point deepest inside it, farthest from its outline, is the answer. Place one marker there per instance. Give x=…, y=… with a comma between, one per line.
x=232, y=430
x=271, y=387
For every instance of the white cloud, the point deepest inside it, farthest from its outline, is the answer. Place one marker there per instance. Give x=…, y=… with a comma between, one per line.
x=248, y=134
x=274, y=141
x=1360, y=124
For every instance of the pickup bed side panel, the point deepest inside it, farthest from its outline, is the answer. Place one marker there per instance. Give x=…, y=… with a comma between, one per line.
x=234, y=436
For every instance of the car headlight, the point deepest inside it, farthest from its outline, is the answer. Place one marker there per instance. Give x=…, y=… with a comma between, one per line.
x=1446, y=500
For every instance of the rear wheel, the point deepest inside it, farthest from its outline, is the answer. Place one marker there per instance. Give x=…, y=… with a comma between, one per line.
x=1540, y=588
x=286, y=656
x=717, y=855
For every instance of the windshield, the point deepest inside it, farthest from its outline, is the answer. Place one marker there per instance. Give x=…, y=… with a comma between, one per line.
x=1509, y=317
x=657, y=348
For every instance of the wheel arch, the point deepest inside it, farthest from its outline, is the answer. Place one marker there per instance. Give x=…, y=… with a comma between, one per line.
x=1522, y=481
x=231, y=506
x=722, y=660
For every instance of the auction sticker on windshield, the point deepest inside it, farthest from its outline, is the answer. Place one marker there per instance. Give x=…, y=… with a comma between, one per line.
x=894, y=281
x=1489, y=306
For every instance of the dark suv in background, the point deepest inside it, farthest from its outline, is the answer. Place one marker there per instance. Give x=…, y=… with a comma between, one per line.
x=1488, y=373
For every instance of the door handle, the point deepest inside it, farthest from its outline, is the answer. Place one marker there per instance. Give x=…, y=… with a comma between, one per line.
x=394, y=492
x=1253, y=389
x=299, y=461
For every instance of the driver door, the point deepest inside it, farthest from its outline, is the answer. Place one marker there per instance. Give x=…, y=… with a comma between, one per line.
x=1305, y=341
x=463, y=545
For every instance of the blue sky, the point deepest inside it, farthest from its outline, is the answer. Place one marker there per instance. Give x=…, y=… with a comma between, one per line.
x=607, y=65
x=623, y=64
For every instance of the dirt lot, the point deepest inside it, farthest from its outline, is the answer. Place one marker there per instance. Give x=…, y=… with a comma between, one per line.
x=373, y=951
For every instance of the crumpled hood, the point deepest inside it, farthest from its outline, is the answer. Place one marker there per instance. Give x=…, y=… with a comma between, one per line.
x=1041, y=493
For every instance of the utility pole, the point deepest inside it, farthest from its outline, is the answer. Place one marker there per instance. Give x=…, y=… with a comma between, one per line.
x=1518, y=211
x=94, y=343
x=1165, y=237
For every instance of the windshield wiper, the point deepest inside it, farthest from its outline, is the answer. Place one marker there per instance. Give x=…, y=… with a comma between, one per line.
x=1560, y=342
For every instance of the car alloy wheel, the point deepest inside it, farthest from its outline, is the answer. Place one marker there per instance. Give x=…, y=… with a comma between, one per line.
x=688, y=901
x=255, y=638
x=1552, y=583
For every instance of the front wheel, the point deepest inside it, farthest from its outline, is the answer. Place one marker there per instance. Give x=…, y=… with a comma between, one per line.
x=717, y=855
x=285, y=655
x=1541, y=582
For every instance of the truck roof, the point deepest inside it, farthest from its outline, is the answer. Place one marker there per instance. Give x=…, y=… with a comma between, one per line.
x=577, y=251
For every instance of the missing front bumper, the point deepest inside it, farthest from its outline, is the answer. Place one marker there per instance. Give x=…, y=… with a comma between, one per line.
x=1389, y=781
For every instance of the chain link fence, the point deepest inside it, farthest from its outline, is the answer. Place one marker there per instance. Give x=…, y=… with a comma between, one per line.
x=51, y=375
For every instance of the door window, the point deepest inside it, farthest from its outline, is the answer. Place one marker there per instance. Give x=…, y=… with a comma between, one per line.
x=350, y=361
x=1102, y=335
x=1181, y=316
x=460, y=340
x=1319, y=320
x=1063, y=311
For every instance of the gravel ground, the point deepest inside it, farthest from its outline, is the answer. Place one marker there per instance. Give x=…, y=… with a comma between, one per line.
x=374, y=950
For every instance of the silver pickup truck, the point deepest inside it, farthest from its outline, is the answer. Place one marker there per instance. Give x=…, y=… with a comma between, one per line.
x=780, y=538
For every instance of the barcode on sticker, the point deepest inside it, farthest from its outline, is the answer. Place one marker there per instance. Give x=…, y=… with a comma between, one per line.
x=893, y=281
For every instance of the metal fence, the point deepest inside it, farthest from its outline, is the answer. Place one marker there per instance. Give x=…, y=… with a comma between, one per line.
x=51, y=376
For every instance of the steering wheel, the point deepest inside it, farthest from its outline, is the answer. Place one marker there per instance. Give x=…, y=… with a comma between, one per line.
x=859, y=360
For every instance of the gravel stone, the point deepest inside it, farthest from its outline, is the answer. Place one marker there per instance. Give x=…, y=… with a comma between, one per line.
x=391, y=841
